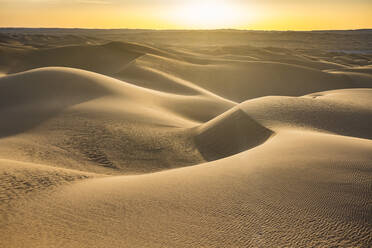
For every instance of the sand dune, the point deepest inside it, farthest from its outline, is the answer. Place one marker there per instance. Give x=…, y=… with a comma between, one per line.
x=243, y=68
x=64, y=110
x=105, y=143
x=281, y=55
x=319, y=111
x=108, y=58
x=229, y=134
x=247, y=79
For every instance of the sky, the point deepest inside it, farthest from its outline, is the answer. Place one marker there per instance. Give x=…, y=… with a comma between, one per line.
x=188, y=14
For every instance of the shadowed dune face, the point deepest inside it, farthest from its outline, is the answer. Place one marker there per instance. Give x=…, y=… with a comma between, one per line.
x=229, y=134
x=49, y=84
x=104, y=59
x=240, y=81
x=108, y=58
x=185, y=139
x=243, y=79
x=27, y=99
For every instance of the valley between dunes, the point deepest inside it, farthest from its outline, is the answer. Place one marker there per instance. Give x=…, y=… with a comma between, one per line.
x=122, y=144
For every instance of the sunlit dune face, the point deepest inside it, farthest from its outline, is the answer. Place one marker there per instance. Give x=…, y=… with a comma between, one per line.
x=208, y=14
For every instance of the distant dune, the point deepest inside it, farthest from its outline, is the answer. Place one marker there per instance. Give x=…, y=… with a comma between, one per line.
x=109, y=142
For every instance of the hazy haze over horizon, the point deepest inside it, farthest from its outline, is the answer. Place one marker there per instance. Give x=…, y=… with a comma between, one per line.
x=175, y=14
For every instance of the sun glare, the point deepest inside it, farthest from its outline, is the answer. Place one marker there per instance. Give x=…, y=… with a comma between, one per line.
x=208, y=14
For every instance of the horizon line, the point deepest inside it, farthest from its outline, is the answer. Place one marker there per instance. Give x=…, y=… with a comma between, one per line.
x=190, y=29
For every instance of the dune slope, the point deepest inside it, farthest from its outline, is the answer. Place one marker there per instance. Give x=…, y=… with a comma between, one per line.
x=294, y=190
x=242, y=80
x=82, y=120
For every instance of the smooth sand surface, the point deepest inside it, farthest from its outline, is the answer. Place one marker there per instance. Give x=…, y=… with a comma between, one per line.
x=122, y=144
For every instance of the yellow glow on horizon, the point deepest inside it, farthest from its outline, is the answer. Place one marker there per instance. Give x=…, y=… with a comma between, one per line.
x=191, y=14
x=208, y=14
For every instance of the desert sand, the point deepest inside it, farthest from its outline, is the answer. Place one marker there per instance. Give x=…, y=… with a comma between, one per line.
x=153, y=139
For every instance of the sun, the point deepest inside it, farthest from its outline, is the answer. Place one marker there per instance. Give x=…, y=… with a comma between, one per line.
x=208, y=14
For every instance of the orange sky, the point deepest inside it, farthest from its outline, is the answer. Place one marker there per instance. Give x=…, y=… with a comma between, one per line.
x=191, y=14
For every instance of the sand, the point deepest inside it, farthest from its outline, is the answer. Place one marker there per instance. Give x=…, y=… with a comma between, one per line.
x=107, y=143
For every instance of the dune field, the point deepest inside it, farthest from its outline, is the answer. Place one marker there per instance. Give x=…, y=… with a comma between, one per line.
x=185, y=139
